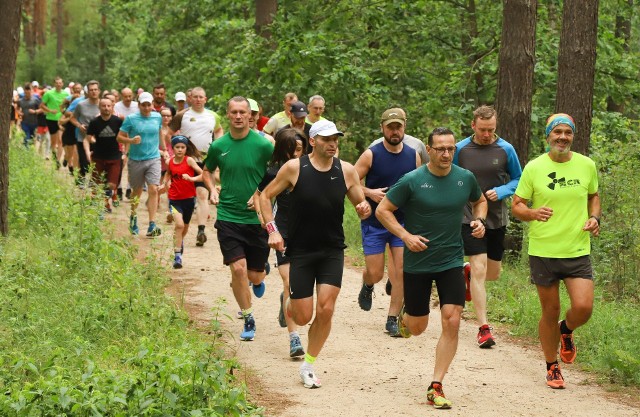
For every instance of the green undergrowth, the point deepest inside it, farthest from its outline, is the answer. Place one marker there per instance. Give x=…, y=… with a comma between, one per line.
x=85, y=329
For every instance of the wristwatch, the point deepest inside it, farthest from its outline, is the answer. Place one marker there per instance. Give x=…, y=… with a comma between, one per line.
x=483, y=221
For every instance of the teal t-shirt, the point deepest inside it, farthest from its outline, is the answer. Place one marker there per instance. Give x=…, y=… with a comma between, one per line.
x=242, y=164
x=53, y=99
x=148, y=127
x=564, y=187
x=433, y=208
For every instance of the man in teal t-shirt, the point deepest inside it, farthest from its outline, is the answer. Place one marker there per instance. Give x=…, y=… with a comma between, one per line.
x=242, y=156
x=141, y=131
x=51, y=105
x=433, y=198
x=562, y=187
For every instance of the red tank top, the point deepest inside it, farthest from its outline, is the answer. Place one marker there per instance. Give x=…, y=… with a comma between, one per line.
x=181, y=189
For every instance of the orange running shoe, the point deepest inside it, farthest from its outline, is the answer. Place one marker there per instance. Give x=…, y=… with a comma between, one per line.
x=466, y=270
x=568, y=350
x=554, y=377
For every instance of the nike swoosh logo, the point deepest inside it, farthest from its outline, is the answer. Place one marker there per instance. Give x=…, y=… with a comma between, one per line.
x=305, y=165
x=223, y=154
x=333, y=178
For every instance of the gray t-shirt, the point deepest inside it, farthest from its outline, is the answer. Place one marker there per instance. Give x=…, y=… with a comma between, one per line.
x=415, y=143
x=25, y=105
x=84, y=112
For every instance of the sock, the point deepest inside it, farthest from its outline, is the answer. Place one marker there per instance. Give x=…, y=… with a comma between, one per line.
x=392, y=318
x=564, y=329
x=201, y=228
x=177, y=251
x=292, y=335
x=368, y=286
x=550, y=364
x=248, y=312
x=434, y=383
x=309, y=360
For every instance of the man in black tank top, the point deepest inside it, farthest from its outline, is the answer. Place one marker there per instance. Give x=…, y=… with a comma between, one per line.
x=318, y=184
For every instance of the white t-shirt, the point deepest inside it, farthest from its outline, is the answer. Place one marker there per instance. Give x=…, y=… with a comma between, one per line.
x=120, y=108
x=197, y=126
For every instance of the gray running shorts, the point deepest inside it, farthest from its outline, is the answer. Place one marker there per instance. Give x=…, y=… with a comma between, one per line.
x=148, y=171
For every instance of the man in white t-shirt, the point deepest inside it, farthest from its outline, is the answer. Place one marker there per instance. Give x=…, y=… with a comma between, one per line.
x=201, y=126
x=126, y=106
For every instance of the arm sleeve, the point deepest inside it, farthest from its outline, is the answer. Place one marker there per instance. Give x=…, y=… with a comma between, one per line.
x=515, y=172
x=91, y=130
x=525, y=188
x=126, y=125
x=399, y=192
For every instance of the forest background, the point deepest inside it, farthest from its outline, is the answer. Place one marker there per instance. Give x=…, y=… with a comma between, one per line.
x=438, y=59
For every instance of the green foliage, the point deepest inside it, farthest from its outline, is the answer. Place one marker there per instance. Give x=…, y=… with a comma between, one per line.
x=87, y=330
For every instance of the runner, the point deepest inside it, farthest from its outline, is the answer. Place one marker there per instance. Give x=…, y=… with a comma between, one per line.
x=298, y=115
x=562, y=187
x=85, y=111
x=242, y=156
x=383, y=165
x=253, y=120
x=159, y=99
x=126, y=106
x=142, y=132
x=315, y=244
x=179, y=180
x=28, y=108
x=495, y=164
x=316, y=107
x=289, y=145
x=201, y=126
x=51, y=105
x=433, y=198
x=102, y=133
x=280, y=120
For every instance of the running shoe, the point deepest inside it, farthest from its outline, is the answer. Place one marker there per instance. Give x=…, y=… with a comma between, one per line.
x=365, y=298
x=177, y=261
x=258, y=290
x=295, y=347
x=281, y=319
x=387, y=287
x=169, y=216
x=201, y=238
x=133, y=225
x=466, y=270
x=115, y=200
x=153, y=230
x=485, y=339
x=436, y=398
x=128, y=193
x=392, y=326
x=309, y=378
x=403, y=331
x=249, y=330
x=554, y=377
x=568, y=349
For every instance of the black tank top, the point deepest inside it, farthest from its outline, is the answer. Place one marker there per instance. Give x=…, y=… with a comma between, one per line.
x=316, y=208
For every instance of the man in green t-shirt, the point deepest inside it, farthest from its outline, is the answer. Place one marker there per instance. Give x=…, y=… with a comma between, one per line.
x=242, y=156
x=433, y=197
x=51, y=105
x=562, y=187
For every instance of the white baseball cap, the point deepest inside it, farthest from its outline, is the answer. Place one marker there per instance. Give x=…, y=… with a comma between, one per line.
x=324, y=128
x=145, y=98
x=180, y=96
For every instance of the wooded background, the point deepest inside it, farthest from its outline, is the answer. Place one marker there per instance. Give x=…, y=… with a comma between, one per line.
x=438, y=59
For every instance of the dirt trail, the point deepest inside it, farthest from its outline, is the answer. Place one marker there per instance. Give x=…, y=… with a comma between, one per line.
x=364, y=372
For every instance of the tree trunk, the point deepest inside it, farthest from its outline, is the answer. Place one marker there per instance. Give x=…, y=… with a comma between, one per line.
x=622, y=32
x=29, y=29
x=10, y=22
x=576, y=67
x=103, y=47
x=59, y=28
x=515, y=74
x=265, y=10
x=40, y=22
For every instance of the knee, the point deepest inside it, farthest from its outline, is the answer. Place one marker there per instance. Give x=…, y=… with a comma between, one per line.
x=416, y=327
x=582, y=310
x=238, y=270
x=373, y=275
x=301, y=316
x=324, y=312
x=551, y=312
x=451, y=322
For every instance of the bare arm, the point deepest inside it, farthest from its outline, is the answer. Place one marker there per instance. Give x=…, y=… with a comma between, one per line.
x=354, y=191
x=593, y=222
x=123, y=137
x=479, y=210
x=86, y=143
x=522, y=212
x=209, y=182
x=362, y=166
x=285, y=179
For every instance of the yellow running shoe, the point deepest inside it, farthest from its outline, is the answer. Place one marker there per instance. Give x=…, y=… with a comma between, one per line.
x=402, y=329
x=436, y=398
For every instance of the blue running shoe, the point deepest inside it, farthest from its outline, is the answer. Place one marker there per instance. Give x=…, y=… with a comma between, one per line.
x=153, y=230
x=295, y=347
x=177, y=261
x=133, y=225
x=249, y=330
x=258, y=290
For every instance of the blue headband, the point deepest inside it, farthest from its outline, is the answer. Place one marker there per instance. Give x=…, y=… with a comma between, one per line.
x=559, y=119
x=179, y=139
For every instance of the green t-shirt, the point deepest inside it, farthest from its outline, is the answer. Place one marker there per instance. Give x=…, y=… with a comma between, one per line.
x=242, y=164
x=433, y=208
x=53, y=99
x=564, y=187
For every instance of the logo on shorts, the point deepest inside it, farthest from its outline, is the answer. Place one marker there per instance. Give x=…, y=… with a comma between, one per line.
x=561, y=182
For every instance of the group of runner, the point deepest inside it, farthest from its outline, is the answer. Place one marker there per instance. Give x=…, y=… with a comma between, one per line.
x=278, y=183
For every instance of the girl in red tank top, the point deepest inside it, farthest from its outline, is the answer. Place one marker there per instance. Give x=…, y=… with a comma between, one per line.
x=179, y=182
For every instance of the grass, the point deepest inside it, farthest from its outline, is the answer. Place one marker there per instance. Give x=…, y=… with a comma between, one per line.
x=87, y=330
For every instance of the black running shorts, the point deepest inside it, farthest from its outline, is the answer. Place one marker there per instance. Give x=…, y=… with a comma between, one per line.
x=314, y=267
x=546, y=271
x=492, y=243
x=417, y=290
x=249, y=241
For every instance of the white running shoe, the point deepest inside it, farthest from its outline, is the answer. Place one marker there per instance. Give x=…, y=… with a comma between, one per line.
x=309, y=378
